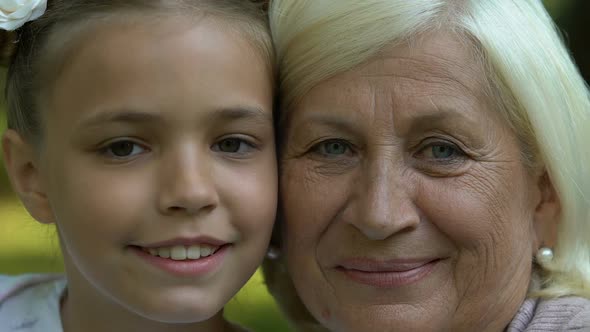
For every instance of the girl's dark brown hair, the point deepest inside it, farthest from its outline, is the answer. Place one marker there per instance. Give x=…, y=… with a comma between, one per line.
x=36, y=52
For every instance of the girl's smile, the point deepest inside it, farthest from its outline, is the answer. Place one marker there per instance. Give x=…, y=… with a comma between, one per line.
x=185, y=261
x=199, y=256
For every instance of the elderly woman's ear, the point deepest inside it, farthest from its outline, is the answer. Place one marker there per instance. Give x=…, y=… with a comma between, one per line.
x=547, y=212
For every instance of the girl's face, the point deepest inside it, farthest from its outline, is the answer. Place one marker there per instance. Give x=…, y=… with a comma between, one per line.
x=159, y=142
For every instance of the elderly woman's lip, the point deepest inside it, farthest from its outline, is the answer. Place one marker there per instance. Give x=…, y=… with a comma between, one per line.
x=373, y=265
x=388, y=274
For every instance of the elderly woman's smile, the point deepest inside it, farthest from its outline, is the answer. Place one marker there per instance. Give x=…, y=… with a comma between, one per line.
x=418, y=202
x=387, y=273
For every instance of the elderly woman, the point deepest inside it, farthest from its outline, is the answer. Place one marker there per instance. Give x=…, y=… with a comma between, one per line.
x=435, y=167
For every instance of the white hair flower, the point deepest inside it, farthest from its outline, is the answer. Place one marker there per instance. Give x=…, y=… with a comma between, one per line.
x=15, y=13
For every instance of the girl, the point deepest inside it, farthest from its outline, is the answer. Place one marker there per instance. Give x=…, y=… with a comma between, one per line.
x=143, y=130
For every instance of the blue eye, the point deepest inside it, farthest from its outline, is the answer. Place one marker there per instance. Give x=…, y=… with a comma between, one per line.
x=233, y=145
x=332, y=148
x=442, y=151
x=123, y=149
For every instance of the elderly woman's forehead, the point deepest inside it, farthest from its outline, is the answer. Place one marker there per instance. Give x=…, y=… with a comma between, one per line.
x=440, y=55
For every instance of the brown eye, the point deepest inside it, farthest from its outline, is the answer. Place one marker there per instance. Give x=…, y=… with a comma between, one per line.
x=123, y=149
x=234, y=146
x=231, y=145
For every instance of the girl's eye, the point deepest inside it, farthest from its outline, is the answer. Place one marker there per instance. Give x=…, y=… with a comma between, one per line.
x=332, y=148
x=233, y=145
x=123, y=149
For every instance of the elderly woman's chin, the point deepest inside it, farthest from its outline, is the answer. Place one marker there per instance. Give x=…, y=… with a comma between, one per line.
x=406, y=201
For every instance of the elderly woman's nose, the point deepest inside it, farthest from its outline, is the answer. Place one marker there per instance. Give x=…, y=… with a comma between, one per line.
x=385, y=202
x=187, y=186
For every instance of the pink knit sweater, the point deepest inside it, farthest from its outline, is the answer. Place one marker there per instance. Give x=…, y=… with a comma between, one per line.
x=562, y=314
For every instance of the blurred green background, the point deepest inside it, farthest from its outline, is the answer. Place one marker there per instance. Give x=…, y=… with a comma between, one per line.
x=27, y=246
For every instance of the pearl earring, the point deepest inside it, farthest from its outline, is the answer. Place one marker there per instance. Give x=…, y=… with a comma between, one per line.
x=273, y=253
x=544, y=255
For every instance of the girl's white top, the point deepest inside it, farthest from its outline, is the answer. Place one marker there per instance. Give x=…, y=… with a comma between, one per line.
x=30, y=302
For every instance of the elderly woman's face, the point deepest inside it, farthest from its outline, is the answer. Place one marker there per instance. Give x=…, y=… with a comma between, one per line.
x=405, y=199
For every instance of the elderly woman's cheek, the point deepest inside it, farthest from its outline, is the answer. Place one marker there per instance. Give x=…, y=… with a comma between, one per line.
x=301, y=191
x=490, y=227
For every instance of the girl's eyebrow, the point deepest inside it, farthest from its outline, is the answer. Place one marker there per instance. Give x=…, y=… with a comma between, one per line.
x=130, y=116
x=241, y=112
x=100, y=118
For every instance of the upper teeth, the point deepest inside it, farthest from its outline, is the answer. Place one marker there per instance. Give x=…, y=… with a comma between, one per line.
x=179, y=253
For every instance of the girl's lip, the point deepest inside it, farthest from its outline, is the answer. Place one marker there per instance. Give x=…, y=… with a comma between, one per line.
x=185, y=241
x=389, y=274
x=185, y=268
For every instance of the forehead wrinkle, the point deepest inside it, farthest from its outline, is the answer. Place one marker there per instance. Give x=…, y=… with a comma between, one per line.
x=383, y=113
x=466, y=74
x=450, y=73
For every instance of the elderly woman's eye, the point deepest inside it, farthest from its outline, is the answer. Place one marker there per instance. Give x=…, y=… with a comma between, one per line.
x=441, y=151
x=332, y=148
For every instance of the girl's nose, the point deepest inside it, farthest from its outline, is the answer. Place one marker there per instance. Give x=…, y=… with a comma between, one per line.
x=188, y=186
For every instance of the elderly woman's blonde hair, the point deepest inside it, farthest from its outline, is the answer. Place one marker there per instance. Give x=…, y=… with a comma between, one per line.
x=530, y=73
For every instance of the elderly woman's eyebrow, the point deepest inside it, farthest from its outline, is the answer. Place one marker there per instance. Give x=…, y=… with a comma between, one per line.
x=438, y=115
x=454, y=121
x=415, y=121
x=335, y=121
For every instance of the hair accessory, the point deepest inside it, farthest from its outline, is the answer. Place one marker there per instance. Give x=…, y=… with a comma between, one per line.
x=544, y=255
x=15, y=13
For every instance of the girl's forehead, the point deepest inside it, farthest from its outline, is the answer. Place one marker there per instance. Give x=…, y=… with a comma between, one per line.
x=197, y=71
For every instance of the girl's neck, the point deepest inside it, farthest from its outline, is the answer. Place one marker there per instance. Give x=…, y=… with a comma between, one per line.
x=83, y=313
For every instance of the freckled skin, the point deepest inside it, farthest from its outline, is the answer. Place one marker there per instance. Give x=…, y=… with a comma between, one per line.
x=385, y=193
